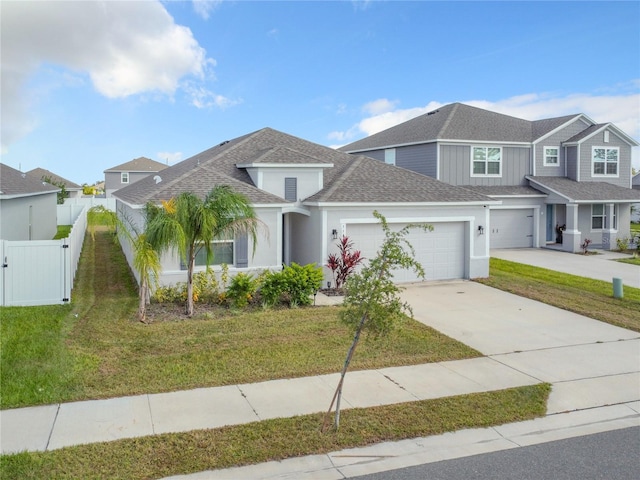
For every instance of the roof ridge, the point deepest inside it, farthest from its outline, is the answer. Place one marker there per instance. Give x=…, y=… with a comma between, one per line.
x=343, y=175
x=445, y=125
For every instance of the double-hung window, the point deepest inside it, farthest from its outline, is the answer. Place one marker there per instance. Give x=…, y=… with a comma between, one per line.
x=486, y=161
x=551, y=156
x=124, y=177
x=599, y=220
x=605, y=160
x=222, y=254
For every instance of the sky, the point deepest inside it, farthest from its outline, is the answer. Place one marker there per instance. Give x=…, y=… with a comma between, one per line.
x=89, y=85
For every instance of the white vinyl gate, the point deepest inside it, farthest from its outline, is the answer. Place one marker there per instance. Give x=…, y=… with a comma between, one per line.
x=41, y=272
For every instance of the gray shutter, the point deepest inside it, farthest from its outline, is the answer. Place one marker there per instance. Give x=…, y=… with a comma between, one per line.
x=242, y=251
x=291, y=189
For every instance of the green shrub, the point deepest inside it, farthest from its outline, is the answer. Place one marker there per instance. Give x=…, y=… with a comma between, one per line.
x=241, y=290
x=207, y=287
x=272, y=288
x=170, y=294
x=301, y=282
x=622, y=244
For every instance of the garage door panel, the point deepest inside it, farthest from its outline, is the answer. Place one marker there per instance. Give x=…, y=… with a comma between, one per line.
x=512, y=228
x=441, y=252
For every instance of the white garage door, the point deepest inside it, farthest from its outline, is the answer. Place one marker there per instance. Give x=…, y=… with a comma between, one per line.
x=512, y=228
x=441, y=252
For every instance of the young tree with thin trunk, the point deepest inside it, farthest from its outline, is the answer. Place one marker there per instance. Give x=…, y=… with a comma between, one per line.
x=372, y=301
x=190, y=224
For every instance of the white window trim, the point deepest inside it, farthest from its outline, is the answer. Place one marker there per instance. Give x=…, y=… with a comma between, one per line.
x=557, y=155
x=123, y=176
x=485, y=175
x=609, y=175
x=390, y=156
x=605, y=223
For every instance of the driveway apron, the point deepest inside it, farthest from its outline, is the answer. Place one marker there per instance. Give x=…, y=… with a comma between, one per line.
x=588, y=362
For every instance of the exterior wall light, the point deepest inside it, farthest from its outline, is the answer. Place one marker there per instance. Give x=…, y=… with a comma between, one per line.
x=480, y=230
x=334, y=234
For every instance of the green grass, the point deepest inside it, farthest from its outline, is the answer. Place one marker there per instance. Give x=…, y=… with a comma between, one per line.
x=632, y=261
x=589, y=297
x=104, y=352
x=173, y=454
x=63, y=232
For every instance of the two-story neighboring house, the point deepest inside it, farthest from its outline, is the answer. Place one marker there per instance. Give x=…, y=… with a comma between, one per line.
x=560, y=180
x=123, y=175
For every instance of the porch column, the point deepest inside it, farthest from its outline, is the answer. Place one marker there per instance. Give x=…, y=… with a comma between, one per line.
x=608, y=233
x=571, y=236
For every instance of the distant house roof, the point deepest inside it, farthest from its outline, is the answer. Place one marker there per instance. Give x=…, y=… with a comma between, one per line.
x=461, y=122
x=14, y=183
x=346, y=178
x=635, y=181
x=587, y=192
x=41, y=174
x=140, y=164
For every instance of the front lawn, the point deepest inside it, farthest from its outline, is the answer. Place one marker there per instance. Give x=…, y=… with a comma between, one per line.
x=592, y=298
x=50, y=355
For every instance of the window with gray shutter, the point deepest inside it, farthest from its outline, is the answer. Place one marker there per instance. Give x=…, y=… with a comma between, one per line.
x=242, y=252
x=291, y=189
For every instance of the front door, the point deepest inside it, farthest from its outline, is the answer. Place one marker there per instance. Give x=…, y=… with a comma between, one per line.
x=551, y=211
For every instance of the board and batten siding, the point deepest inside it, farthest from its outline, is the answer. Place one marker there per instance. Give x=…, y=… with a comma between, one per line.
x=624, y=160
x=556, y=140
x=455, y=166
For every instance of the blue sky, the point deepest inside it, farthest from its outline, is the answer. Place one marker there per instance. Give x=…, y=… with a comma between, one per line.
x=90, y=85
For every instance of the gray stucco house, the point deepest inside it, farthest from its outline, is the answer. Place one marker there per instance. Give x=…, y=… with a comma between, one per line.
x=308, y=196
x=73, y=189
x=130, y=172
x=565, y=173
x=28, y=207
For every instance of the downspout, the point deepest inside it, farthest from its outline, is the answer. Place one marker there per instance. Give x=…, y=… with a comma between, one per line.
x=533, y=159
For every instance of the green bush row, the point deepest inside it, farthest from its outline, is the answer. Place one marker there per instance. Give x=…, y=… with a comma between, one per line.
x=294, y=285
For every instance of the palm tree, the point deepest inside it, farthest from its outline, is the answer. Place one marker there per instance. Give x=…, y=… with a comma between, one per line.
x=146, y=260
x=190, y=224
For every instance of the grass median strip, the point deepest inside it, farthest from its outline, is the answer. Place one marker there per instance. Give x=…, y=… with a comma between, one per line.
x=181, y=453
x=585, y=296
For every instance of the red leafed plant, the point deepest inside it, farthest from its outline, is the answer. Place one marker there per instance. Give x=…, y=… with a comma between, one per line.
x=343, y=264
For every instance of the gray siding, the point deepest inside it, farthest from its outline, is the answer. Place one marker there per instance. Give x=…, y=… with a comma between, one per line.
x=16, y=223
x=572, y=162
x=112, y=180
x=455, y=166
x=624, y=161
x=377, y=154
x=418, y=158
x=556, y=140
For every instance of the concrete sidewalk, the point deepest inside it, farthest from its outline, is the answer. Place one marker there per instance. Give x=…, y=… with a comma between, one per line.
x=602, y=266
x=594, y=369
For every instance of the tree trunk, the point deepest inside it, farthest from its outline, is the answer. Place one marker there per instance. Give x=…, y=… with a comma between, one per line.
x=142, y=301
x=192, y=261
x=337, y=396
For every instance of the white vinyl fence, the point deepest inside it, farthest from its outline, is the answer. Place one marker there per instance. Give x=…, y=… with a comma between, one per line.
x=41, y=272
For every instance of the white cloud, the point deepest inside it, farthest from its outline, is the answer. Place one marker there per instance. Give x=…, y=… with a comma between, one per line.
x=377, y=107
x=204, y=7
x=621, y=109
x=201, y=97
x=125, y=48
x=169, y=157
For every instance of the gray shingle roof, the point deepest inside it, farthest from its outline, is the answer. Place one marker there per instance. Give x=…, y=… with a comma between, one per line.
x=350, y=179
x=140, y=164
x=366, y=180
x=15, y=183
x=585, y=191
x=40, y=173
x=504, y=190
x=458, y=121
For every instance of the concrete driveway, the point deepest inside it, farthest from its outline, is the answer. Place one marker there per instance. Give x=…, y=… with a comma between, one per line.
x=589, y=363
x=602, y=266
